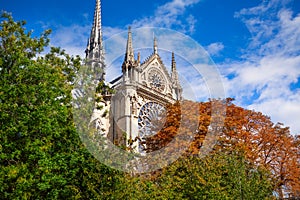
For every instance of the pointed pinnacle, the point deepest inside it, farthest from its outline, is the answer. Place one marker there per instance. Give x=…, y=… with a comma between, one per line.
x=173, y=62
x=129, y=55
x=95, y=39
x=155, y=45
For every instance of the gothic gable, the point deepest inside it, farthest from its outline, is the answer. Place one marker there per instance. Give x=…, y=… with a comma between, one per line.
x=154, y=72
x=155, y=60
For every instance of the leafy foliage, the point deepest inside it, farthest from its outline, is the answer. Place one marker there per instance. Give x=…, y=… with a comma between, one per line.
x=41, y=155
x=219, y=176
x=264, y=144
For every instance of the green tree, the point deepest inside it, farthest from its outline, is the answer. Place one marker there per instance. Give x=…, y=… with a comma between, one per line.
x=220, y=175
x=41, y=155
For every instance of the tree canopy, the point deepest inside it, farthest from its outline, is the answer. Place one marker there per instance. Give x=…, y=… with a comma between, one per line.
x=41, y=155
x=261, y=143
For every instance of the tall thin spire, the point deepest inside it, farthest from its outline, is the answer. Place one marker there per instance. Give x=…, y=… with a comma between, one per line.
x=175, y=79
x=174, y=74
x=155, y=45
x=129, y=55
x=94, y=50
x=95, y=40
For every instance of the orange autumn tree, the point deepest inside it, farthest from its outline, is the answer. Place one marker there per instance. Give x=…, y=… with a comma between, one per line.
x=181, y=125
x=264, y=143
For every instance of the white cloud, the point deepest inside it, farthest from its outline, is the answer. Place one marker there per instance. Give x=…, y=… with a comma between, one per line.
x=273, y=27
x=270, y=64
x=171, y=15
x=72, y=38
x=285, y=110
x=214, y=49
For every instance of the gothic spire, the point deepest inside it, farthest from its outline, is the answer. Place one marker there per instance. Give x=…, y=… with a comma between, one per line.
x=129, y=55
x=175, y=80
x=94, y=50
x=155, y=45
x=174, y=74
x=95, y=40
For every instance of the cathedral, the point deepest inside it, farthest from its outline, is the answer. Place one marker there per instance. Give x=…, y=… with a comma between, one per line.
x=140, y=94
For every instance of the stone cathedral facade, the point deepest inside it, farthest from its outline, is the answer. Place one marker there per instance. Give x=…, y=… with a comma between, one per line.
x=141, y=92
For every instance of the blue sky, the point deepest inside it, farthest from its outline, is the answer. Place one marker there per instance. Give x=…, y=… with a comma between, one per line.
x=255, y=44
